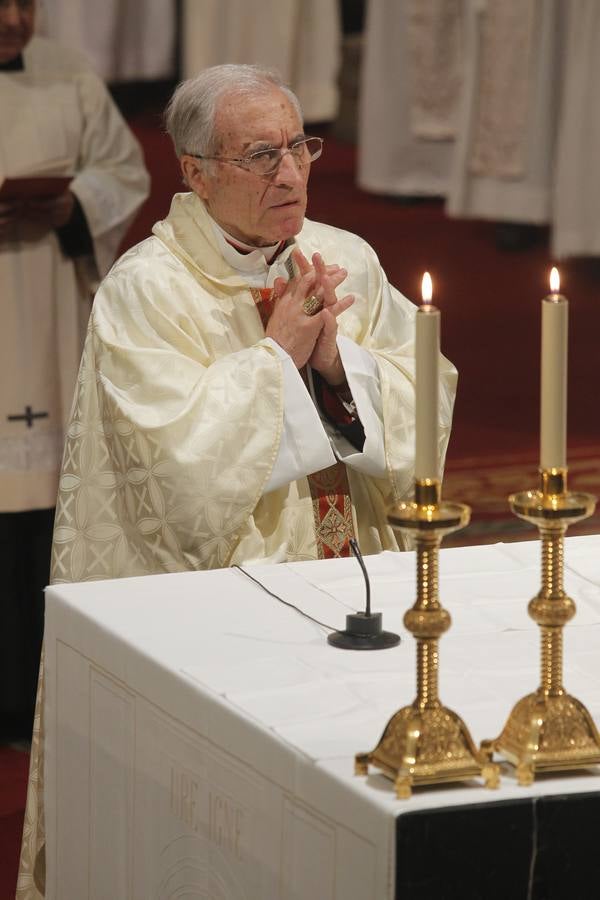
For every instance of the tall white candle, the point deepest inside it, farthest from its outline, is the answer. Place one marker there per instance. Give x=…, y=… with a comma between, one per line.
x=553, y=405
x=427, y=352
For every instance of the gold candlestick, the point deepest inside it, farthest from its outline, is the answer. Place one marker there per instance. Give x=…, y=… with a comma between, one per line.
x=427, y=743
x=550, y=730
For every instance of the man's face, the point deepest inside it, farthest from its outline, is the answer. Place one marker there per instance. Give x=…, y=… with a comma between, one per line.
x=257, y=210
x=17, y=19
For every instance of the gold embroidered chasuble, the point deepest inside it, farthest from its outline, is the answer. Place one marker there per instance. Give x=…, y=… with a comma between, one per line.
x=178, y=414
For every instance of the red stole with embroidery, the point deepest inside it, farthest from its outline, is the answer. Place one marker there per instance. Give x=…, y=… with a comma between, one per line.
x=329, y=488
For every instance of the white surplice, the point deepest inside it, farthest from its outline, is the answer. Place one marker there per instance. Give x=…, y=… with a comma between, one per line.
x=57, y=119
x=301, y=39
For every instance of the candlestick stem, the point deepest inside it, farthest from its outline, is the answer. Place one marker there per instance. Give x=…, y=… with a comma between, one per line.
x=552, y=661
x=427, y=604
x=427, y=565
x=427, y=674
x=552, y=561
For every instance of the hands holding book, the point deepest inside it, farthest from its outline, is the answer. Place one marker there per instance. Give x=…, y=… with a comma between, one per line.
x=46, y=212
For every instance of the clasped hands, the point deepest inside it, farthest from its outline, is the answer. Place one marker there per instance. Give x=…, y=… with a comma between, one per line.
x=47, y=212
x=310, y=339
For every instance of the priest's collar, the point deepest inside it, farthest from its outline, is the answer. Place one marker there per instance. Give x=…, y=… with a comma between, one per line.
x=13, y=65
x=245, y=257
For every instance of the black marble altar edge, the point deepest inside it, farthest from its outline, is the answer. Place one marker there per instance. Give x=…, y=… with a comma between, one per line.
x=535, y=848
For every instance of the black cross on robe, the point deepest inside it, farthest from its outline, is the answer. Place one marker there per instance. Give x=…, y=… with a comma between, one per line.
x=28, y=416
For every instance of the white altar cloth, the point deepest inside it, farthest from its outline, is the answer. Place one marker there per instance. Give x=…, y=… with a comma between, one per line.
x=200, y=736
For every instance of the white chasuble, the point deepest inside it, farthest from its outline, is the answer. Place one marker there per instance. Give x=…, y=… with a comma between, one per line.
x=178, y=414
x=57, y=119
x=178, y=418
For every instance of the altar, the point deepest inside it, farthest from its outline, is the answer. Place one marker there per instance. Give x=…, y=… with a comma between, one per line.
x=200, y=736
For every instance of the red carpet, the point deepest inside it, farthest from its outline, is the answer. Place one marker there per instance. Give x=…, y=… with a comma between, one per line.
x=14, y=767
x=485, y=483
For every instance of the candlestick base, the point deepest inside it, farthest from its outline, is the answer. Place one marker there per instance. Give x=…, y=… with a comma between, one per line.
x=549, y=730
x=427, y=746
x=427, y=743
x=546, y=734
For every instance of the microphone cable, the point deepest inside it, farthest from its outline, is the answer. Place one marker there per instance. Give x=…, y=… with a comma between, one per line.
x=281, y=600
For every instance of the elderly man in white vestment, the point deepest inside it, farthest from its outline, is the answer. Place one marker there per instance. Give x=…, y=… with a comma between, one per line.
x=58, y=122
x=230, y=405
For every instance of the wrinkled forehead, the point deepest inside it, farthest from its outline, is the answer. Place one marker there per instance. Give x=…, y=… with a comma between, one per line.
x=242, y=120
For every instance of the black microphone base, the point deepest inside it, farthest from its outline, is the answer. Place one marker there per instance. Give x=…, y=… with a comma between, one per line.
x=363, y=632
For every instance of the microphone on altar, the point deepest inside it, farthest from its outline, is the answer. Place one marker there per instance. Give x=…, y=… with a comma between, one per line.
x=364, y=630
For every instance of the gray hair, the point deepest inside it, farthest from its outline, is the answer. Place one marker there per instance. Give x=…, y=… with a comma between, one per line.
x=191, y=112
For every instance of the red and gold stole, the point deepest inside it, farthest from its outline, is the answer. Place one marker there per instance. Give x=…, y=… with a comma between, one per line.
x=329, y=488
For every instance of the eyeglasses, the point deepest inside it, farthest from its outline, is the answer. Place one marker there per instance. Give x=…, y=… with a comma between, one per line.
x=267, y=162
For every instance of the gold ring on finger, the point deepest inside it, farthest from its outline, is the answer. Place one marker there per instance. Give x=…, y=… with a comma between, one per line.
x=312, y=305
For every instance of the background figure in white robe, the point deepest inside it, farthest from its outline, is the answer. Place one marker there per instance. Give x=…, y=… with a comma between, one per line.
x=504, y=158
x=301, y=39
x=410, y=89
x=220, y=415
x=529, y=132
x=576, y=215
x=57, y=120
x=124, y=40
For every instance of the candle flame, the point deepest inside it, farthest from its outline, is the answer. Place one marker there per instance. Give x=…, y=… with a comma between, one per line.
x=554, y=280
x=426, y=288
